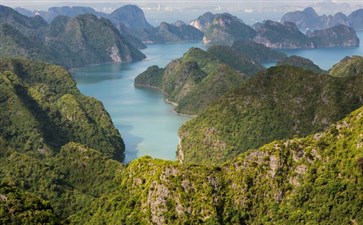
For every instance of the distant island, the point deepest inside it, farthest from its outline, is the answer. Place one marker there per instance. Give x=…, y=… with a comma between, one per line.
x=309, y=20
x=70, y=42
x=225, y=29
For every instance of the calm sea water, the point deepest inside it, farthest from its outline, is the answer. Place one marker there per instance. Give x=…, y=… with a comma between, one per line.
x=147, y=124
x=326, y=58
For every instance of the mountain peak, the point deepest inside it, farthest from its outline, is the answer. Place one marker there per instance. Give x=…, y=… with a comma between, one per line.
x=310, y=12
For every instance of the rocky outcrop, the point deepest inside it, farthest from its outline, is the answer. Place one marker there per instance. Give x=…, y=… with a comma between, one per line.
x=337, y=36
x=203, y=22
x=222, y=29
x=308, y=19
x=177, y=32
x=281, y=35
x=356, y=19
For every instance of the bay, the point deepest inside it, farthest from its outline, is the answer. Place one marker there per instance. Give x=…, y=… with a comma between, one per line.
x=148, y=125
x=146, y=122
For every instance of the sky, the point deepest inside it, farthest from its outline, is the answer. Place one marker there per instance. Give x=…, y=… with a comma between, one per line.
x=250, y=11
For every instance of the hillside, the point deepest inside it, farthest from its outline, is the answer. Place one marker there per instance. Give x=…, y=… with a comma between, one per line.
x=192, y=82
x=238, y=60
x=42, y=109
x=317, y=178
x=301, y=62
x=280, y=103
x=42, y=115
x=69, y=42
x=258, y=52
x=349, y=66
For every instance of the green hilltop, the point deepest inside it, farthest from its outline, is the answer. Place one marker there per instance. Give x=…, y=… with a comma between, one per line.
x=279, y=103
x=301, y=62
x=192, y=82
x=349, y=66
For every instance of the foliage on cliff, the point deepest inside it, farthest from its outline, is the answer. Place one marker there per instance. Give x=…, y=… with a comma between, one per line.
x=42, y=109
x=192, y=82
x=258, y=52
x=349, y=66
x=239, y=61
x=280, y=103
x=317, y=179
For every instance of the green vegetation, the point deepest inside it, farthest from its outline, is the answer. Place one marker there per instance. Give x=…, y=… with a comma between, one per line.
x=192, y=82
x=316, y=179
x=280, y=103
x=70, y=42
x=19, y=207
x=152, y=77
x=258, y=52
x=42, y=109
x=301, y=62
x=236, y=59
x=349, y=66
x=310, y=180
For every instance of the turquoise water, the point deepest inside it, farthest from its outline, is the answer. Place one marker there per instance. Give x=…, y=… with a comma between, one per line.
x=147, y=124
x=326, y=58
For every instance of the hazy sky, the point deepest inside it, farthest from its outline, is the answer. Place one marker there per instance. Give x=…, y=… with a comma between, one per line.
x=168, y=10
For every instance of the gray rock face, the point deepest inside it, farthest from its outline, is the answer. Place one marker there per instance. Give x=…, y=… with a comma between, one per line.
x=281, y=35
x=356, y=19
x=308, y=19
x=177, y=32
x=223, y=29
x=337, y=36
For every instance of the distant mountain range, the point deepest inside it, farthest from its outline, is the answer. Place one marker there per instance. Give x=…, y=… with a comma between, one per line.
x=225, y=29
x=308, y=19
x=71, y=42
x=130, y=21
